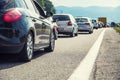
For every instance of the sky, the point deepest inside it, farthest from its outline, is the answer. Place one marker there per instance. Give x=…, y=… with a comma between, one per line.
x=86, y=3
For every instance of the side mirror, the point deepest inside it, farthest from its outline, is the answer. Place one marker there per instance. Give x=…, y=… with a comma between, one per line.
x=45, y=12
x=55, y=20
x=49, y=14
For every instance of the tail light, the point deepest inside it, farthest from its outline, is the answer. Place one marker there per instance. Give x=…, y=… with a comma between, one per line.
x=87, y=24
x=69, y=23
x=12, y=16
x=55, y=27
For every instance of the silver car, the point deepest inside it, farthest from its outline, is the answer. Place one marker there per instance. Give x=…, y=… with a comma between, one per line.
x=66, y=24
x=84, y=24
x=95, y=24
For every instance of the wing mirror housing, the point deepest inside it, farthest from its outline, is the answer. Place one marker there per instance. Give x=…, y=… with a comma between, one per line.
x=49, y=14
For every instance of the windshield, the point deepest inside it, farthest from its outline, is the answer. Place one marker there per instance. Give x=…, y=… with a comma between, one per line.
x=81, y=20
x=94, y=21
x=61, y=17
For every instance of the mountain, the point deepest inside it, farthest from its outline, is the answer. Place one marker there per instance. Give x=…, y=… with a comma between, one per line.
x=112, y=14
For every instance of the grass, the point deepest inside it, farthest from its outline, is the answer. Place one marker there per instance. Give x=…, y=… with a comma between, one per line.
x=117, y=29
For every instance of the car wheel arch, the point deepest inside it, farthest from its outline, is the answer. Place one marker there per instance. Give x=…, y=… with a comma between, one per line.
x=33, y=33
x=54, y=32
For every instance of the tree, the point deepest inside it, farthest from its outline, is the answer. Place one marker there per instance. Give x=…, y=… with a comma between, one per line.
x=47, y=5
x=41, y=2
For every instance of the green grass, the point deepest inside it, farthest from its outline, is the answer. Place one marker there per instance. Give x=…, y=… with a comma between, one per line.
x=117, y=29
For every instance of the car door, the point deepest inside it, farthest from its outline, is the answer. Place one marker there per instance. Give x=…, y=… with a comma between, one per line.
x=36, y=23
x=46, y=25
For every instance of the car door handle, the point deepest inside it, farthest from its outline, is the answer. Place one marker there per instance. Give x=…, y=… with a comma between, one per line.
x=33, y=20
x=43, y=26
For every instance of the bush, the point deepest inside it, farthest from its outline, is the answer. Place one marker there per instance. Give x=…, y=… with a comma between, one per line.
x=117, y=29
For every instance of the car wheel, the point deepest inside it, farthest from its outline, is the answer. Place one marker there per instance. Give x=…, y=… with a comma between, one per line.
x=90, y=32
x=27, y=51
x=51, y=46
x=55, y=35
x=76, y=34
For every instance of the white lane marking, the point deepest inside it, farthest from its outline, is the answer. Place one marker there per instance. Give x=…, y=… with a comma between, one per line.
x=83, y=71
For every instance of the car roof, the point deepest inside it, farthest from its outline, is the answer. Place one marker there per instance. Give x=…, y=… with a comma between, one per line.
x=83, y=17
x=63, y=14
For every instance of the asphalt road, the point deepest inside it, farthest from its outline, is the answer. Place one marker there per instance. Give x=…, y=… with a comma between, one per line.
x=57, y=65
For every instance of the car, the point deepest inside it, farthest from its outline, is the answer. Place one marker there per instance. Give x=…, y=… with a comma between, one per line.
x=55, y=26
x=84, y=24
x=113, y=24
x=118, y=24
x=66, y=24
x=95, y=24
x=100, y=24
x=24, y=28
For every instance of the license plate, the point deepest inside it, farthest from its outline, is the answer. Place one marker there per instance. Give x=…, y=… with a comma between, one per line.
x=80, y=27
x=61, y=29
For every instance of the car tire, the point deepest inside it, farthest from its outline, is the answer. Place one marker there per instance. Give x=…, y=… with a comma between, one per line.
x=55, y=34
x=51, y=46
x=27, y=51
x=90, y=32
x=76, y=34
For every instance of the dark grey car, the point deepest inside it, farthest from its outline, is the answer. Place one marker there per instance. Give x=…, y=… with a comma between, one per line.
x=24, y=28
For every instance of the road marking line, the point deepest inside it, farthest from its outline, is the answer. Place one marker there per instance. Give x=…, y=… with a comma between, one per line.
x=83, y=71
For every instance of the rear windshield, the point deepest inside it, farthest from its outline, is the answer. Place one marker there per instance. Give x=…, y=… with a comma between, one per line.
x=81, y=20
x=7, y=4
x=94, y=21
x=61, y=17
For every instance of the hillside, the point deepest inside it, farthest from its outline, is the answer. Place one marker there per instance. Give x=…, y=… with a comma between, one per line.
x=112, y=14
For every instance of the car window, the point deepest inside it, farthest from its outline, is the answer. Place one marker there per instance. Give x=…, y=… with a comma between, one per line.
x=39, y=8
x=7, y=4
x=20, y=3
x=73, y=19
x=94, y=21
x=81, y=20
x=61, y=17
x=30, y=5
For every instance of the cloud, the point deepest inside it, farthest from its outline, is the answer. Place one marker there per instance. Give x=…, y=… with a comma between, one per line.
x=85, y=3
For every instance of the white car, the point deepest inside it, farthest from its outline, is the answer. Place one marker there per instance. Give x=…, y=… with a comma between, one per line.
x=95, y=24
x=100, y=24
x=84, y=24
x=66, y=24
x=54, y=25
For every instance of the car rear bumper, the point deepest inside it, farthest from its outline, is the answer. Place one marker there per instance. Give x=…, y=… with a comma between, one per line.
x=85, y=29
x=95, y=27
x=11, y=41
x=65, y=30
x=10, y=47
x=67, y=33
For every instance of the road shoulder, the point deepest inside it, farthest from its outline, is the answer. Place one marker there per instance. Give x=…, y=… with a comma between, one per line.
x=108, y=61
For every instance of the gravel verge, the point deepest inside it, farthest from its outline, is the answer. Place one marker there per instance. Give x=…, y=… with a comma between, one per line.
x=107, y=65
